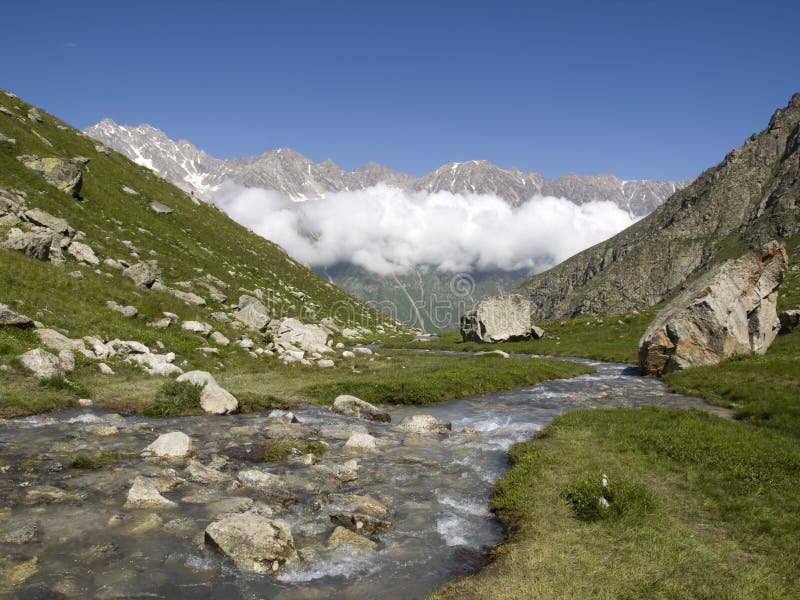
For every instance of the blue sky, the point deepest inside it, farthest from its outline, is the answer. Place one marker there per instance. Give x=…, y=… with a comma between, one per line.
x=640, y=89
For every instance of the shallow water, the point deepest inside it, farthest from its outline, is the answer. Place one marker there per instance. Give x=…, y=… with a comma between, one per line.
x=437, y=488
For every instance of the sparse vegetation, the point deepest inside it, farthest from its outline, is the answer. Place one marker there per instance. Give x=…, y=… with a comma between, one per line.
x=175, y=398
x=279, y=449
x=98, y=461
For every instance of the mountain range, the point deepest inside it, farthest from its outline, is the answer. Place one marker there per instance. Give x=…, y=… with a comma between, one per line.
x=748, y=199
x=292, y=173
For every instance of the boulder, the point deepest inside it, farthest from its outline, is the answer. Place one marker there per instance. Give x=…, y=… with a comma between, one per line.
x=537, y=333
x=325, y=363
x=361, y=441
x=219, y=339
x=155, y=364
x=35, y=244
x=9, y=318
x=498, y=319
x=42, y=364
x=355, y=407
x=311, y=338
x=45, y=219
x=728, y=310
x=199, y=473
x=213, y=398
x=58, y=341
x=160, y=208
x=64, y=174
x=169, y=445
x=790, y=320
x=203, y=329
x=256, y=544
x=252, y=313
x=424, y=424
x=144, y=493
x=83, y=253
x=126, y=311
x=144, y=273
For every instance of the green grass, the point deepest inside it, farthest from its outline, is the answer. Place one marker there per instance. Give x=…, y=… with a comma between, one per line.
x=175, y=398
x=98, y=461
x=712, y=511
x=762, y=390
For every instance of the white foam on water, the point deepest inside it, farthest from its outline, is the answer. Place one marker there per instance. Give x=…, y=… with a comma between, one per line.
x=451, y=528
x=199, y=563
x=469, y=506
x=344, y=566
x=87, y=418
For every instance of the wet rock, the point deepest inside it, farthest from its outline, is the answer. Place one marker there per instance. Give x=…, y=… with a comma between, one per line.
x=200, y=473
x=42, y=364
x=361, y=523
x=22, y=535
x=64, y=174
x=170, y=445
x=10, y=318
x=361, y=441
x=144, y=493
x=498, y=319
x=293, y=431
x=229, y=505
x=148, y=523
x=261, y=480
x=729, y=310
x=354, y=407
x=17, y=573
x=424, y=424
x=256, y=544
x=342, y=536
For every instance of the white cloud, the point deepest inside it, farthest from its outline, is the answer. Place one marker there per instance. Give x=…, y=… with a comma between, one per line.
x=388, y=230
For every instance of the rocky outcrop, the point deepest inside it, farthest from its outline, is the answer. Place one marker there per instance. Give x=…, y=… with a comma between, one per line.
x=744, y=201
x=730, y=310
x=355, y=407
x=310, y=338
x=498, y=319
x=64, y=174
x=252, y=313
x=256, y=544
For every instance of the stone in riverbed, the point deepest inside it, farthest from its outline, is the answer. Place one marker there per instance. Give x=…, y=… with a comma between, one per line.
x=355, y=407
x=256, y=544
x=361, y=523
x=174, y=444
x=342, y=535
x=361, y=441
x=144, y=493
x=424, y=424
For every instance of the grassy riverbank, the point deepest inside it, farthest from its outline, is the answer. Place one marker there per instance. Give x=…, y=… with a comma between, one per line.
x=400, y=377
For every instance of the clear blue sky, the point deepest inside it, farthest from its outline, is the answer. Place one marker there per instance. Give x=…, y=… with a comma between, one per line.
x=643, y=89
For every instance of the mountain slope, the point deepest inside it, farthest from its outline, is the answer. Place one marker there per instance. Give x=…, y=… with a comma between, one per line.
x=300, y=178
x=750, y=197
x=124, y=214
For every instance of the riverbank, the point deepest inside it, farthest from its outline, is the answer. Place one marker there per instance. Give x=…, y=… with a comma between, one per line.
x=384, y=376
x=705, y=507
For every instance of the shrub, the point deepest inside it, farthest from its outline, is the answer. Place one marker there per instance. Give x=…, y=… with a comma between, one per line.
x=175, y=398
x=591, y=501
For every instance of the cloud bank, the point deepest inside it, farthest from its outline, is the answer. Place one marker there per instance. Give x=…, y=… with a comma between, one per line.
x=388, y=230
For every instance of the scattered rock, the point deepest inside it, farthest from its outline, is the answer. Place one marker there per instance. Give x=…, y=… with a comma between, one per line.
x=42, y=364
x=45, y=219
x=159, y=208
x=361, y=523
x=537, y=333
x=126, y=311
x=498, y=319
x=203, y=329
x=9, y=318
x=355, y=407
x=219, y=339
x=310, y=338
x=325, y=363
x=361, y=441
x=174, y=444
x=35, y=244
x=144, y=493
x=145, y=273
x=252, y=313
x=199, y=473
x=363, y=350
x=729, y=310
x=83, y=253
x=64, y=174
x=424, y=424
x=256, y=544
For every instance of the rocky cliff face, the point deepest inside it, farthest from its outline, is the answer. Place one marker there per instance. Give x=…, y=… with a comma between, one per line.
x=290, y=172
x=752, y=196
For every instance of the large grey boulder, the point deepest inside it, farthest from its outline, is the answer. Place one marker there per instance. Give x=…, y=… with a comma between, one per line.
x=790, y=320
x=144, y=273
x=35, y=244
x=83, y=253
x=42, y=364
x=256, y=544
x=9, y=318
x=174, y=444
x=355, y=407
x=44, y=219
x=64, y=174
x=498, y=319
x=293, y=333
x=729, y=310
x=252, y=313
x=58, y=341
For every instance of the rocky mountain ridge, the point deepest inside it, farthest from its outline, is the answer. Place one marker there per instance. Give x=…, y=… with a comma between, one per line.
x=288, y=171
x=749, y=198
